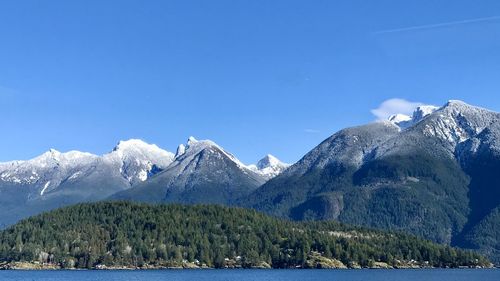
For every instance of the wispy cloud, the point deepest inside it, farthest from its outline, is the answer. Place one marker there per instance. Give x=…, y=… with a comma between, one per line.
x=395, y=106
x=437, y=25
x=311, y=131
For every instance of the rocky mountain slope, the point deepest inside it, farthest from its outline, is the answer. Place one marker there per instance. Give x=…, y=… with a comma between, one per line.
x=202, y=172
x=433, y=174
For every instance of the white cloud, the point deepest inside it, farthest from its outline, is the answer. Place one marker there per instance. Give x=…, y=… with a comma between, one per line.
x=395, y=106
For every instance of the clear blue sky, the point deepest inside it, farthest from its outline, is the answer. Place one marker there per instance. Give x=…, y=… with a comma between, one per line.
x=255, y=76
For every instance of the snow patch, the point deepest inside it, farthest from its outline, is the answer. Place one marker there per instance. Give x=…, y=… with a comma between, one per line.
x=397, y=118
x=75, y=175
x=143, y=175
x=45, y=187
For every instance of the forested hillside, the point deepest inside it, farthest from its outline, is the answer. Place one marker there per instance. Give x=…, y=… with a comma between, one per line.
x=437, y=179
x=124, y=234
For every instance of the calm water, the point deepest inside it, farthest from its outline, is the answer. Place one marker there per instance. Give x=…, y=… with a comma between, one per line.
x=257, y=275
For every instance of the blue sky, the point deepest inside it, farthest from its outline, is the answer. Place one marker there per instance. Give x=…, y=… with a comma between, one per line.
x=255, y=76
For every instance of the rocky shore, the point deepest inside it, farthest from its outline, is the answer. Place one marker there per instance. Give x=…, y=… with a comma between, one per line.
x=313, y=262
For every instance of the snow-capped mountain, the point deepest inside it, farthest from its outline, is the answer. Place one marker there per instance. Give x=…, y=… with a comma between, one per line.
x=269, y=167
x=54, y=179
x=446, y=127
x=138, y=160
x=434, y=174
x=202, y=172
x=50, y=168
x=133, y=159
x=457, y=121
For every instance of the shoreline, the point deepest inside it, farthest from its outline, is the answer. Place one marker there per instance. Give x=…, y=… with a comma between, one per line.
x=248, y=269
x=26, y=266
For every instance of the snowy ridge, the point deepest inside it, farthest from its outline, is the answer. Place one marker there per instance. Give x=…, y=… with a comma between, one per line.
x=268, y=167
x=186, y=153
x=137, y=158
x=133, y=160
x=404, y=121
x=202, y=172
x=50, y=167
x=423, y=111
x=136, y=161
x=445, y=130
x=457, y=122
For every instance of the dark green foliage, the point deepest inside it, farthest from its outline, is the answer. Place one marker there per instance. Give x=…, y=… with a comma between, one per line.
x=482, y=231
x=416, y=193
x=129, y=234
x=279, y=195
x=485, y=236
x=321, y=207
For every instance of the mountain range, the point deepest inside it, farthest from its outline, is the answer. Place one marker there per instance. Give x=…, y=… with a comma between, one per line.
x=202, y=172
x=56, y=179
x=432, y=174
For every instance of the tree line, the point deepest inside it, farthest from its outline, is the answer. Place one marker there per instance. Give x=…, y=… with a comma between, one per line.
x=137, y=235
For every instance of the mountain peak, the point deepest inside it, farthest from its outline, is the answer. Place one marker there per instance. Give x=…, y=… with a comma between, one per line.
x=202, y=172
x=195, y=146
x=52, y=152
x=49, y=154
x=423, y=111
x=137, y=160
x=456, y=102
x=463, y=107
x=181, y=149
x=137, y=146
x=198, y=145
x=191, y=140
x=457, y=121
x=57, y=156
x=131, y=144
x=269, y=166
x=268, y=161
x=404, y=121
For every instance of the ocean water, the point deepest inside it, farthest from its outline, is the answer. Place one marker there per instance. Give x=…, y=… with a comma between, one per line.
x=258, y=275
